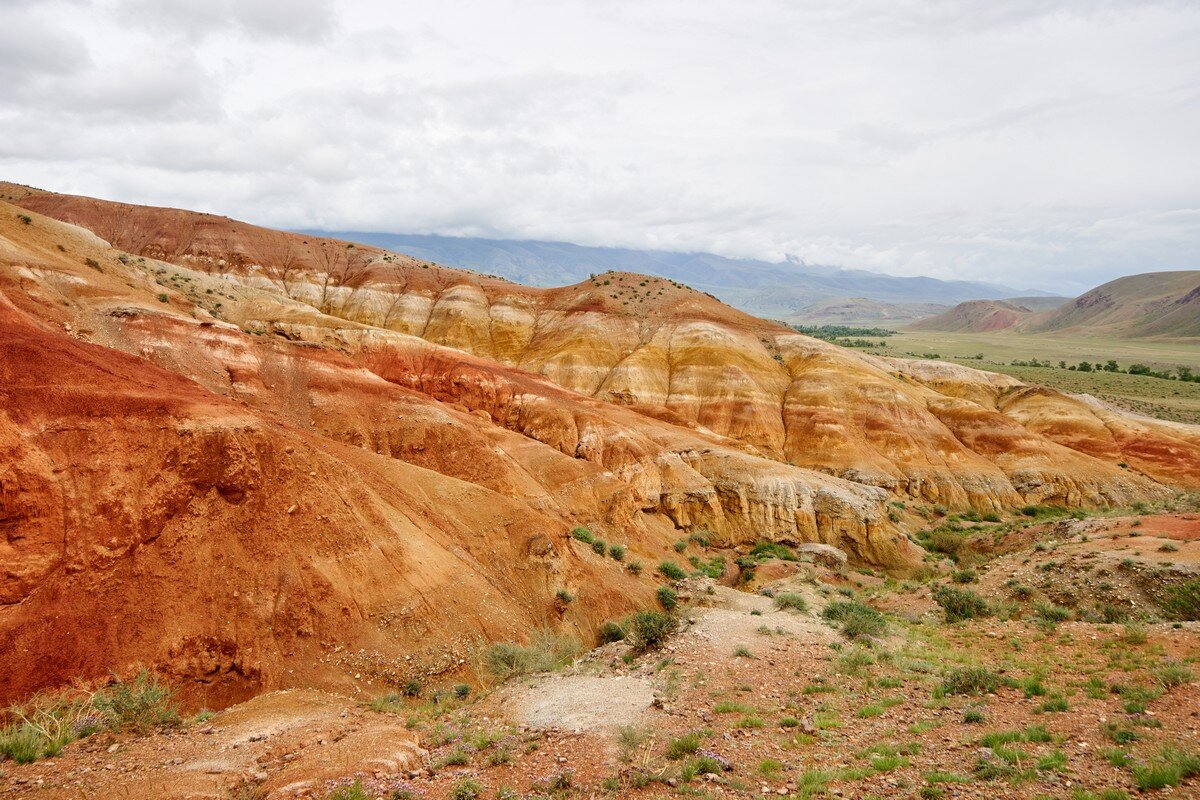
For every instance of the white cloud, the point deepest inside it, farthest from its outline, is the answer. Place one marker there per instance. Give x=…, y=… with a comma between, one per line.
x=1050, y=144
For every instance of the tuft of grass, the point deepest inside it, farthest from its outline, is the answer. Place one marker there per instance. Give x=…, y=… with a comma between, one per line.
x=47, y=723
x=971, y=680
x=583, y=535
x=1173, y=673
x=667, y=598
x=547, y=651
x=685, y=745
x=857, y=619
x=791, y=601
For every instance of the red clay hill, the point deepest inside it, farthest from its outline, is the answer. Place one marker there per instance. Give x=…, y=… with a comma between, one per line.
x=252, y=459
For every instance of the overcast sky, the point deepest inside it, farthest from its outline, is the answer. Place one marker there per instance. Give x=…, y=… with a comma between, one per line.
x=1038, y=143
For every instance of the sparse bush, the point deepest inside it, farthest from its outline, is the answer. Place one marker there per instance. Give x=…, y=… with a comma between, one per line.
x=964, y=576
x=467, y=789
x=563, y=596
x=793, y=601
x=461, y=690
x=583, y=535
x=959, y=604
x=25, y=219
x=617, y=552
x=1173, y=673
x=1134, y=633
x=671, y=570
x=648, y=629
x=599, y=547
x=971, y=680
x=667, y=598
x=141, y=704
x=857, y=619
x=46, y=723
x=611, y=632
x=1051, y=614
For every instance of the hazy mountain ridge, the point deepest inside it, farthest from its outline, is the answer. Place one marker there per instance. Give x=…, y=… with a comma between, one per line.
x=760, y=287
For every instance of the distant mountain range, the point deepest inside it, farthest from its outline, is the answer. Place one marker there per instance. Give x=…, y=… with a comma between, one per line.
x=780, y=290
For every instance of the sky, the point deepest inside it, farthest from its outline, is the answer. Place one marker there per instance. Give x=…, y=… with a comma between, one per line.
x=1037, y=143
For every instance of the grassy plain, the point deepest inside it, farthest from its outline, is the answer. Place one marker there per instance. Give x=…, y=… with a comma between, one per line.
x=1165, y=399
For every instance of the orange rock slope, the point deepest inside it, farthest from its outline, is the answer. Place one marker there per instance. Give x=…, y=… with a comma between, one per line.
x=254, y=459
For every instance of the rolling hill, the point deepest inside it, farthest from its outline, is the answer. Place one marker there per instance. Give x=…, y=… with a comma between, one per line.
x=1161, y=304
x=976, y=316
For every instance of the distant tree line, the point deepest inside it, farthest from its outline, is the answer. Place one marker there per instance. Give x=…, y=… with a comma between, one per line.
x=1179, y=373
x=844, y=335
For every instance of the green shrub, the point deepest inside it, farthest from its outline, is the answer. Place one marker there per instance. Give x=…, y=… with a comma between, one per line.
x=793, y=601
x=611, y=632
x=1182, y=601
x=599, y=547
x=669, y=569
x=648, y=629
x=461, y=690
x=617, y=552
x=583, y=535
x=964, y=576
x=667, y=598
x=971, y=680
x=857, y=619
x=959, y=604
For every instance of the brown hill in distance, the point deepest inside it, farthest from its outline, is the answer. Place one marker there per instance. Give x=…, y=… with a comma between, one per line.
x=863, y=311
x=1160, y=304
x=976, y=316
x=253, y=459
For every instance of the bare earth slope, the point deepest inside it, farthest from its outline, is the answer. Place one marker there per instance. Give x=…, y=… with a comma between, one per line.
x=977, y=316
x=1163, y=304
x=269, y=460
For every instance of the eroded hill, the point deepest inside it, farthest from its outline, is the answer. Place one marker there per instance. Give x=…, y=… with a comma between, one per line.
x=255, y=460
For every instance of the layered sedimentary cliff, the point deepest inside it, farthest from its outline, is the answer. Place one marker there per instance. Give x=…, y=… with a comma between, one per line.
x=256, y=459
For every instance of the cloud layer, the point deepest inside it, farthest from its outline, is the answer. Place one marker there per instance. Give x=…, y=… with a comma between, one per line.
x=1047, y=144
